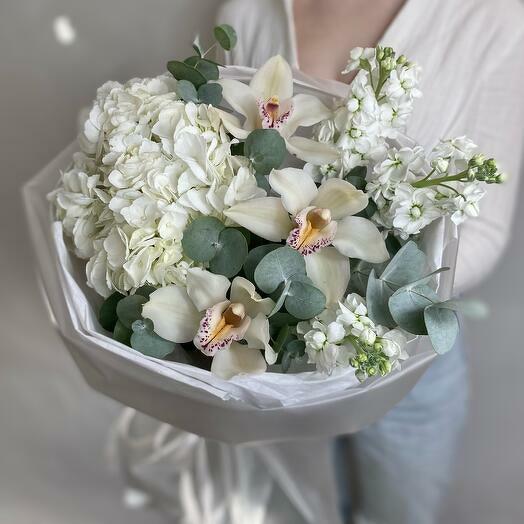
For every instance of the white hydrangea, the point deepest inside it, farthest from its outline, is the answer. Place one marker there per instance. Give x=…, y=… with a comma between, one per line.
x=149, y=164
x=344, y=336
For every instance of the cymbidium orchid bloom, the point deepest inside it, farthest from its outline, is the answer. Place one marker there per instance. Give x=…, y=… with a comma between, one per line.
x=268, y=103
x=201, y=313
x=322, y=216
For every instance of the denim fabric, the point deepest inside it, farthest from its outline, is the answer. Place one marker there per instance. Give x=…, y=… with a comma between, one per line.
x=401, y=464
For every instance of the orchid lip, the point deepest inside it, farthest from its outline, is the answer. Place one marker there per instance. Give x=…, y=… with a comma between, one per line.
x=315, y=230
x=220, y=326
x=273, y=113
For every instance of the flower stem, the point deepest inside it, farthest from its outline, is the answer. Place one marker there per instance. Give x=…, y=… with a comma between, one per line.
x=443, y=179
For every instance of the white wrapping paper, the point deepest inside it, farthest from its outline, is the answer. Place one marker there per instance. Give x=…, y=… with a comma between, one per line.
x=268, y=407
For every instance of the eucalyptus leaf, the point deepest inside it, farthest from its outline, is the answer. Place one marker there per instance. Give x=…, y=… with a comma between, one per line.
x=148, y=342
x=357, y=177
x=183, y=71
x=279, y=302
x=255, y=256
x=283, y=337
x=231, y=253
x=378, y=294
x=469, y=308
x=279, y=266
x=129, y=309
x=304, y=301
x=263, y=182
x=266, y=150
x=107, y=314
x=186, y=91
x=442, y=327
x=281, y=319
x=237, y=149
x=408, y=265
x=226, y=36
x=210, y=94
x=145, y=290
x=296, y=347
x=407, y=307
x=196, y=46
x=122, y=334
x=207, y=68
x=201, y=238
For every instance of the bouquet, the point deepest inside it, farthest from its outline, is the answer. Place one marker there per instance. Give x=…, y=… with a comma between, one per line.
x=244, y=225
x=254, y=246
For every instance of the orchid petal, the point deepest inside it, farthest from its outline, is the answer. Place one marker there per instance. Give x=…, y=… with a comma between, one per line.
x=206, y=289
x=329, y=271
x=266, y=217
x=274, y=78
x=307, y=111
x=296, y=188
x=243, y=291
x=242, y=99
x=341, y=198
x=257, y=337
x=358, y=237
x=174, y=316
x=233, y=125
x=238, y=359
x=317, y=153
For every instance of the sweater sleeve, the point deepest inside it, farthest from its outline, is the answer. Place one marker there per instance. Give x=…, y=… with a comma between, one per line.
x=500, y=134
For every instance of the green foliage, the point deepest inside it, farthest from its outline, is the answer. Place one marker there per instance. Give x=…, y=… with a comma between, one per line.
x=266, y=150
x=357, y=177
x=294, y=349
x=186, y=91
x=183, y=71
x=304, y=301
x=122, y=334
x=107, y=314
x=210, y=94
x=208, y=69
x=145, y=290
x=255, y=256
x=407, y=307
x=226, y=36
x=129, y=309
x=231, y=253
x=201, y=238
x=442, y=327
x=145, y=340
x=378, y=293
x=278, y=267
x=407, y=266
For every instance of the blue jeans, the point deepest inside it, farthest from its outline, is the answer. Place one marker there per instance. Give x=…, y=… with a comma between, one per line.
x=401, y=465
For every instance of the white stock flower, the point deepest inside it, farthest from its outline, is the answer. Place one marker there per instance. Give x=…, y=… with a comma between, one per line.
x=413, y=209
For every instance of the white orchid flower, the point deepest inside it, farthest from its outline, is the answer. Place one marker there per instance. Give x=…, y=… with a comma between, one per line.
x=323, y=216
x=201, y=312
x=268, y=103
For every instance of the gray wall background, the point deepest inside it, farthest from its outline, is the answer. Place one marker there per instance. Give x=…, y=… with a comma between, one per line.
x=53, y=428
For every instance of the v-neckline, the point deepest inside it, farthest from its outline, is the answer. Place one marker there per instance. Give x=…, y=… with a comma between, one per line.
x=386, y=37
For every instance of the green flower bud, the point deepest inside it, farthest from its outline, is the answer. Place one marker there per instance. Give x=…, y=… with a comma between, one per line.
x=372, y=371
x=362, y=357
x=401, y=60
